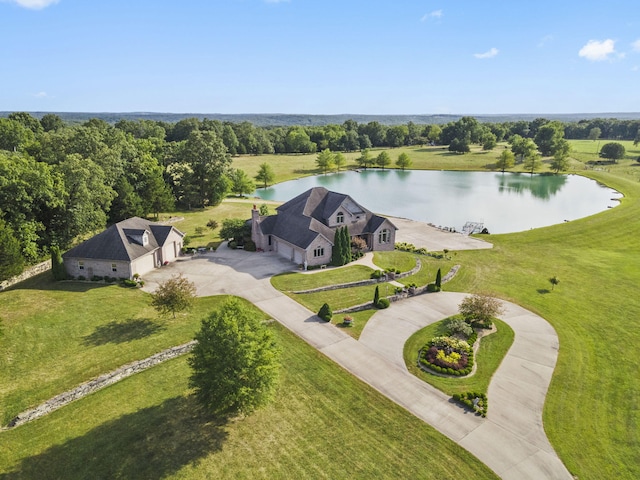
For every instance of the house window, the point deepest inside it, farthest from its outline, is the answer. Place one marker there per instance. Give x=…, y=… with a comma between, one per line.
x=269, y=240
x=340, y=217
x=145, y=239
x=114, y=267
x=318, y=252
x=384, y=236
x=80, y=265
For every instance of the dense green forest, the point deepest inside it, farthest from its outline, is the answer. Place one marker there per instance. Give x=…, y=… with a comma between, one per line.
x=60, y=180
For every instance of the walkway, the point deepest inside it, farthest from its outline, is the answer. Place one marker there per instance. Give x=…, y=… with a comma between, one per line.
x=511, y=440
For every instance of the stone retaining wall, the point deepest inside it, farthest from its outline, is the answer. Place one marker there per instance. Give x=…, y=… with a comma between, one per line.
x=99, y=383
x=399, y=296
x=361, y=283
x=28, y=273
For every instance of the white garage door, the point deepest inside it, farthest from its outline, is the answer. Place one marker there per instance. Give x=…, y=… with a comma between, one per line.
x=297, y=257
x=284, y=250
x=169, y=252
x=143, y=265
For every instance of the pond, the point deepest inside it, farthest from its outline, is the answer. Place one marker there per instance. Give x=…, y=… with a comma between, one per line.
x=504, y=203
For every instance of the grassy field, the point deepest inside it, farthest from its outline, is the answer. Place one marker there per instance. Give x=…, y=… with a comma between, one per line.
x=492, y=350
x=591, y=414
x=324, y=423
x=58, y=335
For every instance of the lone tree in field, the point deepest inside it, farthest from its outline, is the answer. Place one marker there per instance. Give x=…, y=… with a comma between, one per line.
x=554, y=281
x=174, y=295
x=265, y=174
x=235, y=362
x=613, y=151
x=383, y=159
x=480, y=308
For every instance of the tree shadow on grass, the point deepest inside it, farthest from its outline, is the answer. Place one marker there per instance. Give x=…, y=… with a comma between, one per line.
x=122, y=332
x=543, y=291
x=152, y=443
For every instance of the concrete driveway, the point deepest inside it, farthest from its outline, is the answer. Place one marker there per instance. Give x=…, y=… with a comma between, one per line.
x=511, y=440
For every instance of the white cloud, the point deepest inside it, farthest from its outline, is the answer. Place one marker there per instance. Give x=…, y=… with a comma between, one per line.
x=635, y=68
x=597, y=51
x=544, y=40
x=435, y=14
x=636, y=45
x=488, y=54
x=33, y=4
x=41, y=95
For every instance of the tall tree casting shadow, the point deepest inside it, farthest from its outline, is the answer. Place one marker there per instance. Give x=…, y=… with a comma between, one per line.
x=152, y=443
x=121, y=332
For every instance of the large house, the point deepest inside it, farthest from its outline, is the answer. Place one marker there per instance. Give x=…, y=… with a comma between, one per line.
x=132, y=246
x=303, y=230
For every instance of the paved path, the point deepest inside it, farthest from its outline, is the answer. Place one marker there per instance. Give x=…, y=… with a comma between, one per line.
x=433, y=239
x=511, y=440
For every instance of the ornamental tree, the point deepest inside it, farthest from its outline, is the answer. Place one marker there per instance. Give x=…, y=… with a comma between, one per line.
x=174, y=295
x=480, y=308
x=235, y=362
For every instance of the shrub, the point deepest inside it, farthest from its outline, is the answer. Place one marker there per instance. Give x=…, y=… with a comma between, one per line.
x=459, y=327
x=376, y=274
x=383, y=303
x=233, y=244
x=250, y=246
x=212, y=224
x=432, y=287
x=325, y=312
x=199, y=230
x=96, y=278
x=82, y=278
x=129, y=283
x=376, y=296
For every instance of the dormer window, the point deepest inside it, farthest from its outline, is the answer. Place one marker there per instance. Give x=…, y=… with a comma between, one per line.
x=340, y=217
x=145, y=239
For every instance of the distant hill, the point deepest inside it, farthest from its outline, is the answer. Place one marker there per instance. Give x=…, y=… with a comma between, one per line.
x=281, y=119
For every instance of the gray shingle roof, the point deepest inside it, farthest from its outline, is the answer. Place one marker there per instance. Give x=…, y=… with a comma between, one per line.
x=122, y=241
x=300, y=220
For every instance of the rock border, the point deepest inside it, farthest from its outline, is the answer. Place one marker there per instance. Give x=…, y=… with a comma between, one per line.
x=98, y=383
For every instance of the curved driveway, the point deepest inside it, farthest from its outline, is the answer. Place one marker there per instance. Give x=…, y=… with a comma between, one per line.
x=511, y=440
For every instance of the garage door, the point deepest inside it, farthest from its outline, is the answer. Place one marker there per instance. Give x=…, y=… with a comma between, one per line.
x=284, y=250
x=169, y=252
x=297, y=257
x=143, y=265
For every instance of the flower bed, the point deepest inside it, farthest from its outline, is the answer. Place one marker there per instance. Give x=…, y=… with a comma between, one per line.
x=447, y=355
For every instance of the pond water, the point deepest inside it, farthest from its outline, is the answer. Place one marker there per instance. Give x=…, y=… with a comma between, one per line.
x=509, y=202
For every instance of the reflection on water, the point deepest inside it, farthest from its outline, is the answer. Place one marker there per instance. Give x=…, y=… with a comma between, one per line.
x=540, y=186
x=509, y=202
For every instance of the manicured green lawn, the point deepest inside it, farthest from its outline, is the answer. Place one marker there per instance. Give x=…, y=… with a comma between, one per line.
x=324, y=423
x=343, y=298
x=492, y=350
x=288, y=282
x=394, y=259
x=591, y=414
x=58, y=335
x=360, y=319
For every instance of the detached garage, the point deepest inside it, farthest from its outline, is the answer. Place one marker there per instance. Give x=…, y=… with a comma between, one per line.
x=132, y=246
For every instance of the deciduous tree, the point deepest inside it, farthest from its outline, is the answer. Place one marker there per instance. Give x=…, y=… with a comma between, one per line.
x=241, y=184
x=265, y=174
x=324, y=160
x=480, y=308
x=11, y=260
x=235, y=362
x=612, y=151
x=506, y=160
x=404, y=161
x=383, y=159
x=174, y=295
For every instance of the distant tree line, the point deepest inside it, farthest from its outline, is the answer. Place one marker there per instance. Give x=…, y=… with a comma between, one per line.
x=60, y=182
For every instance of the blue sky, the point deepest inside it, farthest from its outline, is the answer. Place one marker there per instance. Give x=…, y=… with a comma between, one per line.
x=320, y=57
